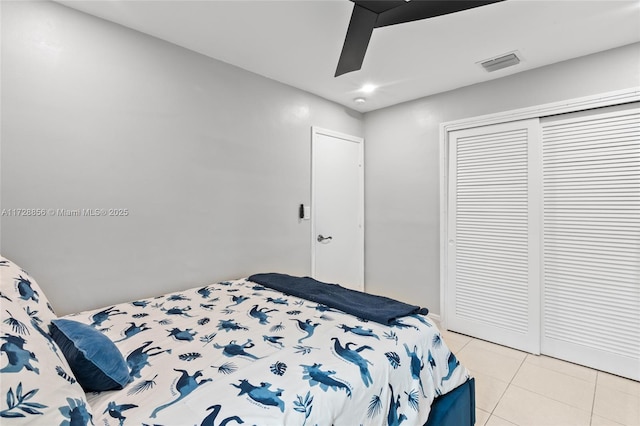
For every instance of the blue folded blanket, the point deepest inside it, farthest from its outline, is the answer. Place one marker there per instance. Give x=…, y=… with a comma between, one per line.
x=367, y=306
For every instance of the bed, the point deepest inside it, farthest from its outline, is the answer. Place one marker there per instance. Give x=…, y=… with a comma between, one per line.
x=234, y=352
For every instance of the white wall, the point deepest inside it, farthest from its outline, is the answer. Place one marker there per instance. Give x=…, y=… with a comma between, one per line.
x=211, y=161
x=402, y=160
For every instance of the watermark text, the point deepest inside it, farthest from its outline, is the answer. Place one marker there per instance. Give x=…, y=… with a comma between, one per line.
x=99, y=212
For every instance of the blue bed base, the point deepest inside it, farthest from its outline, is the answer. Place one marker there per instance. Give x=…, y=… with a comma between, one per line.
x=456, y=408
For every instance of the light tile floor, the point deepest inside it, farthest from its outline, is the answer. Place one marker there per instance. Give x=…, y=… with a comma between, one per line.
x=516, y=388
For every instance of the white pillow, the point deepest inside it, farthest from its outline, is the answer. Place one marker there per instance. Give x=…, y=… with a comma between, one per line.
x=36, y=383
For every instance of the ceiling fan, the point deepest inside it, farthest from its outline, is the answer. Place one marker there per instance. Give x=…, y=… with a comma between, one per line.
x=370, y=14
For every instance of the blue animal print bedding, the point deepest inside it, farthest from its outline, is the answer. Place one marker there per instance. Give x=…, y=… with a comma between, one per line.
x=37, y=386
x=239, y=353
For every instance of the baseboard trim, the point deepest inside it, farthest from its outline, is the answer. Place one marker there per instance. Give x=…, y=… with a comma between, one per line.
x=434, y=317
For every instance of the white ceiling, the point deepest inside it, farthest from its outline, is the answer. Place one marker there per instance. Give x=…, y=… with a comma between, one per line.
x=298, y=42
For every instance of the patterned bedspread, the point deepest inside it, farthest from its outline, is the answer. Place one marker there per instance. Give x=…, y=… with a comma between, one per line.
x=238, y=353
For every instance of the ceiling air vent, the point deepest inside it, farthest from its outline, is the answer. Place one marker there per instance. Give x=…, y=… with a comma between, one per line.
x=500, y=62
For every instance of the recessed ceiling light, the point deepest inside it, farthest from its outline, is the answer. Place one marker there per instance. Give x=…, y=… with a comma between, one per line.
x=360, y=100
x=368, y=88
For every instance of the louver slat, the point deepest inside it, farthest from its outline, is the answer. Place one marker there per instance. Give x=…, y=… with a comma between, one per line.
x=591, y=240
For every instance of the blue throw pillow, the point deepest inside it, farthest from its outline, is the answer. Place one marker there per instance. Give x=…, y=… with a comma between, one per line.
x=94, y=359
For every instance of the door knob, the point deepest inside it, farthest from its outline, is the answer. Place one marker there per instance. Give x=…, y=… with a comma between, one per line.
x=321, y=238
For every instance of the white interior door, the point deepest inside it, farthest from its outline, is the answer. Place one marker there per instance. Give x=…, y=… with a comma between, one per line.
x=337, y=208
x=493, y=236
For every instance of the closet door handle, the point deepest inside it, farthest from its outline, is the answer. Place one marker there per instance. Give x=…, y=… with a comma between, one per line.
x=322, y=238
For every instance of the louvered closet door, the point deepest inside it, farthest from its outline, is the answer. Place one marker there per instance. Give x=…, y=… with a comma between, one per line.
x=591, y=243
x=493, y=285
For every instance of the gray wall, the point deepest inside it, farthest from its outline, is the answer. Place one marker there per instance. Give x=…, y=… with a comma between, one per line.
x=402, y=160
x=211, y=161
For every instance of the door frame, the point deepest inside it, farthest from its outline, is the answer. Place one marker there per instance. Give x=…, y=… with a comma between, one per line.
x=315, y=133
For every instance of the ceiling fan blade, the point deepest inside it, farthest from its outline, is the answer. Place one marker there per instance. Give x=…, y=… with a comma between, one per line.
x=362, y=23
x=370, y=14
x=421, y=9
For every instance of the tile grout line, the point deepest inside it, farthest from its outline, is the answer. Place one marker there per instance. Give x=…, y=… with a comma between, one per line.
x=465, y=345
x=491, y=414
x=560, y=371
x=593, y=401
x=551, y=399
x=509, y=385
x=595, y=383
x=471, y=339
